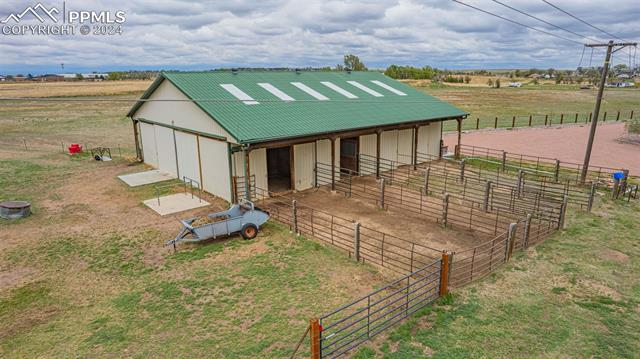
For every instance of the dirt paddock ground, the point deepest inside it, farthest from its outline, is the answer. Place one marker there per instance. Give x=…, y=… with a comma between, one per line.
x=566, y=143
x=403, y=224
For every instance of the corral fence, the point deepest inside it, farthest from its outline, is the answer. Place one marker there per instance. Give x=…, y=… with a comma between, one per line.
x=538, y=165
x=547, y=119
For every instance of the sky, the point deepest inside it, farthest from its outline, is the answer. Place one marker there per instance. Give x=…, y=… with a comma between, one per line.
x=201, y=35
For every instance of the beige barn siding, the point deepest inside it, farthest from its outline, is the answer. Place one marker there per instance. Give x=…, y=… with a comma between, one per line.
x=188, y=162
x=389, y=145
x=166, y=150
x=324, y=151
x=435, y=135
x=337, y=154
x=214, y=160
x=405, y=146
x=149, y=148
x=367, y=147
x=184, y=114
x=258, y=167
x=304, y=163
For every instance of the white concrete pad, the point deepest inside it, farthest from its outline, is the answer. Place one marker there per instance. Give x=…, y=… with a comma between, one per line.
x=175, y=203
x=146, y=177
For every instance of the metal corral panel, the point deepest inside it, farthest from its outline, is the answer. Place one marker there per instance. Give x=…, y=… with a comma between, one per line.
x=188, y=163
x=166, y=150
x=303, y=156
x=149, y=149
x=367, y=147
x=405, y=146
x=389, y=145
x=214, y=160
x=183, y=113
x=258, y=167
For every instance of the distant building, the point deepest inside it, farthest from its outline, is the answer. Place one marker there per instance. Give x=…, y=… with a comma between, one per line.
x=515, y=84
x=620, y=84
x=2, y=78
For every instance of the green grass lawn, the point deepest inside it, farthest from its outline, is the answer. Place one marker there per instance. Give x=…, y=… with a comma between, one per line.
x=577, y=295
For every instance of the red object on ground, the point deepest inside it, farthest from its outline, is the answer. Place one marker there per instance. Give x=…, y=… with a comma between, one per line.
x=75, y=148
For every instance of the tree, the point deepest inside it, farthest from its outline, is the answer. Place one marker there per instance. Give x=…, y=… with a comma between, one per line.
x=353, y=62
x=467, y=79
x=518, y=74
x=490, y=82
x=79, y=77
x=497, y=83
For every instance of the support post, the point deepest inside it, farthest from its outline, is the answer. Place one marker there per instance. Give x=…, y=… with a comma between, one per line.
x=416, y=130
x=356, y=241
x=314, y=331
x=426, y=181
x=457, y=151
x=247, y=174
x=135, y=137
x=561, y=118
x=445, y=209
x=513, y=122
x=444, y=273
x=527, y=231
x=511, y=239
x=625, y=180
x=618, y=116
x=556, y=174
x=487, y=193
x=333, y=163
x=563, y=212
x=576, y=121
x=382, y=185
x=631, y=116
x=546, y=117
x=378, y=135
x=294, y=217
x=520, y=180
x=592, y=194
x=530, y=120
x=477, y=123
x=495, y=124
x=462, y=165
x=504, y=161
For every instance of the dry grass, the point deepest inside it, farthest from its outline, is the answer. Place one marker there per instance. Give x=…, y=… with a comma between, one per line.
x=73, y=88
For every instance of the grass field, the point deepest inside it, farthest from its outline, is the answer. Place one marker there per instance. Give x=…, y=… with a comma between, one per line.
x=87, y=275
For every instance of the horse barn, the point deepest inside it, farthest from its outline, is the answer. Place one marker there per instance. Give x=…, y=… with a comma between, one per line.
x=277, y=128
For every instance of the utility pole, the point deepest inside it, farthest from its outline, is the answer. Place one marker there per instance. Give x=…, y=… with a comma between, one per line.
x=603, y=79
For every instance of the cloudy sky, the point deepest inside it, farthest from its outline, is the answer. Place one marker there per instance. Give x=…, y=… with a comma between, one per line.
x=171, y=34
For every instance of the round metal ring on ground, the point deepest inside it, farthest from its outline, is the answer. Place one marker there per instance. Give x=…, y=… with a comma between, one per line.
x=14, y=209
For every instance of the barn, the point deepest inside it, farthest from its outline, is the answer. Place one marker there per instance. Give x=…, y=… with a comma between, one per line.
x=236, y=132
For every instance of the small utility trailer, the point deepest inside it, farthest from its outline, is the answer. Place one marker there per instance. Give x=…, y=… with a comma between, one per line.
x=243, y=218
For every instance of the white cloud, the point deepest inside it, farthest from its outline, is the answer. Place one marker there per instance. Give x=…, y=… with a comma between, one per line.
x=209, y=34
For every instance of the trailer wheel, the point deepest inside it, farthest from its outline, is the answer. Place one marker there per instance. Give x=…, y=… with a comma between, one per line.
x=249, y=231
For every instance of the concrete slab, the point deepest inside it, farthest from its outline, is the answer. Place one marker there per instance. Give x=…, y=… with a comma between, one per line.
x=146, y=177
x=175, y=203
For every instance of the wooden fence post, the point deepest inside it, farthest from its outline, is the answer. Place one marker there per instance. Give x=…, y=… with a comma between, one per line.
x=462, y=165
x=556, y=174
x=356, y=241
x=477, y=123
x=445, y=209
x=511, y=239
x=530, y=120
x=487, y=193
x=592, y=194
x=618, y=116
x=504, y=161
x=520, y=180
x=561, y=118
x=545, y=119
x=495, y=124
x=314, y=324
x=604, y=118
x=576, y=118
x=590, y=116
x=513, y=122
x=426, y=181
x=382, y=185
x=631, y=117
x=294, y=217
x=527, y=231
x=563, y=212
x=445, y=270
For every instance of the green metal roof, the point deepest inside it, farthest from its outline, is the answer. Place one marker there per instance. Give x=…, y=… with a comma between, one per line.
x=273, y=118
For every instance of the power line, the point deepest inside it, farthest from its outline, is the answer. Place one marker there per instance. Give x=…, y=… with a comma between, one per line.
x=543, y=21
x=583, y=21
x=518, y=23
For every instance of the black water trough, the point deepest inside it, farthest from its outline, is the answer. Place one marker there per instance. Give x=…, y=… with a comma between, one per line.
x=15, y=209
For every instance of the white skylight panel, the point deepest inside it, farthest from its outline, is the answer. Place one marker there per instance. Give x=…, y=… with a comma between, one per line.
x=276, y=91
x=366, y=89
x=387, y=87
x=310, y=91
x=338, y=89
x=239, y=94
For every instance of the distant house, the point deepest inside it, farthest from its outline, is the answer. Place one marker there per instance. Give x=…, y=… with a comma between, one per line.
x=534, y=76
x=624, y=75
x=620, y=84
